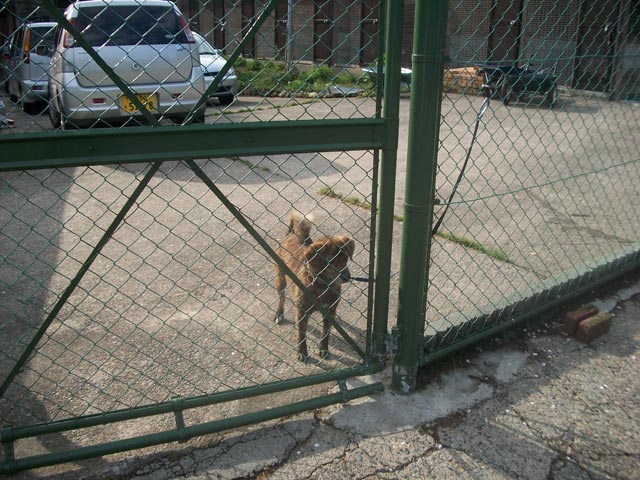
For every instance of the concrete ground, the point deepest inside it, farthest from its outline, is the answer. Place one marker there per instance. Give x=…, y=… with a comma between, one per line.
x=535, y=404
x=541, y=406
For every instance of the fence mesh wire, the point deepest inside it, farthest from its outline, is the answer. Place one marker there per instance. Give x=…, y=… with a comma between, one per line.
x=180, y=301
x=548, y=200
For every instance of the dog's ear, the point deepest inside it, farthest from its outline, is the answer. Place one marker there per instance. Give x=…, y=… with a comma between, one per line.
x=300, y=227
x=346, y=244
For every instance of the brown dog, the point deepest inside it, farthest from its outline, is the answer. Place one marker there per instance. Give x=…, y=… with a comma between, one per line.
x=321, y=265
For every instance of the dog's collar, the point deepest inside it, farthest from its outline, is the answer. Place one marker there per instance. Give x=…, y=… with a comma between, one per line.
x=305, y=262
x=317, y=280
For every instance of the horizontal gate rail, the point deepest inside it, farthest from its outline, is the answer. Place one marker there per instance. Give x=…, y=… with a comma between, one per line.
x=8, y=435
x=150, y=144
x=182, y=433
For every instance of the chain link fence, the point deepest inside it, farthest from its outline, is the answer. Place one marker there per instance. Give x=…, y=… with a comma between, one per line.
x=146, y=185
x=546, y=205
x=136, y=286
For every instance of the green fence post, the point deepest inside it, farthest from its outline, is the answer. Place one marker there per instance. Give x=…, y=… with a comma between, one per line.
x=388, y=161
x=422, y=154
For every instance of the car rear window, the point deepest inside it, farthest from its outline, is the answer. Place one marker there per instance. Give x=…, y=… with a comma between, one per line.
x=130, y=25
x=42, y=37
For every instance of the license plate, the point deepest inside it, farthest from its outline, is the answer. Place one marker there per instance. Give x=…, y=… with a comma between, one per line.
x=149, y=101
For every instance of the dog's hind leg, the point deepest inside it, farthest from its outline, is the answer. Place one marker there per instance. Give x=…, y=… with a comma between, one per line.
x=301, y=327
x=281, y=285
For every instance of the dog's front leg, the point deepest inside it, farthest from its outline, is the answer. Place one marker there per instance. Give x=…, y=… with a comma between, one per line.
x=301, y=325
x=324, y=341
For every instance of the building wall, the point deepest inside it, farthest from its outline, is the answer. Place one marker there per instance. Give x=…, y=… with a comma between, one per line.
x=266, y=39
x=550, y=36
x=626, y=71
x=345, y=36
x=468, y=31
x=303, y=31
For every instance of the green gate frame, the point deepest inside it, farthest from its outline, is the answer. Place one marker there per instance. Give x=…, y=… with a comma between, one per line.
x=156, y=144
x=414, y=349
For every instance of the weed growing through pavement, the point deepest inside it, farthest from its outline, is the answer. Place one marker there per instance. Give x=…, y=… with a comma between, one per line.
x=494, y=253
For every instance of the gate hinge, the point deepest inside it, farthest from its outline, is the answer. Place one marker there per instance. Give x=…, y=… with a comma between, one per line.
x=392, y=341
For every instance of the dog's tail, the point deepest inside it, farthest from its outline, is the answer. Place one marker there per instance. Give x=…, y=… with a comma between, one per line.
x=300, y=227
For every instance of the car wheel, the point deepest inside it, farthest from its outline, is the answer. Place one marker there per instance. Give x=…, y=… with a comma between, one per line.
x=31, y=108
x=226, y=99
x=505, y=92
x=551, y=96
x=54, y=115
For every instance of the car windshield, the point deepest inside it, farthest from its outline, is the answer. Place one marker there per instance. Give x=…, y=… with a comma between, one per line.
x=130, y=25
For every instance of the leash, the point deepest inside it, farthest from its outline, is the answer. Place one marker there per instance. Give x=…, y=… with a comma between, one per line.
x=369, y=280
x=362, y=279
x=483, y=108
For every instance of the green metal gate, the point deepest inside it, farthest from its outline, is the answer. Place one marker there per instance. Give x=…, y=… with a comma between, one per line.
x=138, y=261
x=535, y=194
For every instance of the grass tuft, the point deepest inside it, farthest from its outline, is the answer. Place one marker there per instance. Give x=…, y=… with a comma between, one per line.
x=354, y=201
x=494, y=253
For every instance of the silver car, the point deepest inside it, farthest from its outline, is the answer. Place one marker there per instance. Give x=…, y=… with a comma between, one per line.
x=147, y=44
x=212, y=62
x=27, y=64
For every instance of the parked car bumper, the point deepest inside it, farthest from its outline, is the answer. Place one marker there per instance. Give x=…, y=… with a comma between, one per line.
x=228, y=86
x=85, y=106
x=34, y=91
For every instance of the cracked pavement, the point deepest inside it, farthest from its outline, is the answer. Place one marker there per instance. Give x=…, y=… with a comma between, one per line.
x=536, y=405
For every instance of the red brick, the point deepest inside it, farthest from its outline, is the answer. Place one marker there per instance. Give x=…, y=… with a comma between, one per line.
x=573, y=319
x=593, y=327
